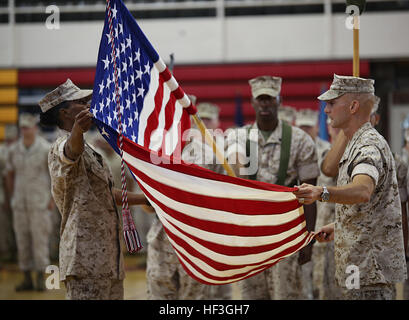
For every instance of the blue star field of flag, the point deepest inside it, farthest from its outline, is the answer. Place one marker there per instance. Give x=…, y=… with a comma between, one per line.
x=134, y=57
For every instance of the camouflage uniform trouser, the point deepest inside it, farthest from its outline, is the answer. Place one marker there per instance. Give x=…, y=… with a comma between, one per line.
x=7, y=241
x=324, y=272
x=222, y=292
x=167, y=280
x=379, y=292
x=32, y=229
x=283, y=281
x=94, y=289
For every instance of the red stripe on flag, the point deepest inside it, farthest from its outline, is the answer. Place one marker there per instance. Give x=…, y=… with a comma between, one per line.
x=184, y=125
x=165, y=75
x=191, y=109
x=169, y=112
x=178, y=93
x=153, y=120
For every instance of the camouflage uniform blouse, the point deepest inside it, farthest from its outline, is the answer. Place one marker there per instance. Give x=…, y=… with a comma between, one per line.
x=401, y=173
x=369, y=235
x=302, y=165
x=31, y=180
x=90, y=246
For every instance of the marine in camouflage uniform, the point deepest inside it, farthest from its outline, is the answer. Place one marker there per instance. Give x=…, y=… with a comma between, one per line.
x=29, y=184
x=284, y=280
x=368, y=224
x=376, y=247
x=90, y=246
x=91, y=261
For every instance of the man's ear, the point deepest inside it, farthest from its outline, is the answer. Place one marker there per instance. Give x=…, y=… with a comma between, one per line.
x=63, y=115
x=354, y=106
x=377, y=118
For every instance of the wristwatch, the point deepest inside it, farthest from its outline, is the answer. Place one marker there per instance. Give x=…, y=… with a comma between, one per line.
x=324, y=194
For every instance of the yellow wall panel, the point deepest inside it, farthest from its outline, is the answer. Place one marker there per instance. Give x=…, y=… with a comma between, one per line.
x=8, y=114
x=8, y=95
x=8, y=77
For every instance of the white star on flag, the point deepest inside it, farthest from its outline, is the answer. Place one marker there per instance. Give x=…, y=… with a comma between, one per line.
x=106, y=63
x=101, y=87
x=147, y=68
x=138, y=74
x=114, y=11
x=141, y=91
x=124, y=66
x=137, y=55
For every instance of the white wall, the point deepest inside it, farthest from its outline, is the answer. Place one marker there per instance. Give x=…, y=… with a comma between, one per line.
x=211, y=40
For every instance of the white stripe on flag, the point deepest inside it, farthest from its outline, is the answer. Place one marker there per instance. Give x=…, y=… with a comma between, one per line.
x=185, y=101
x=173, y=136
x=148, y=105
x=160, y=65
x=172, y=84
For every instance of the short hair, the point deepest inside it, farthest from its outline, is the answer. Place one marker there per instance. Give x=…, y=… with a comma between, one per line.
x=51, y=118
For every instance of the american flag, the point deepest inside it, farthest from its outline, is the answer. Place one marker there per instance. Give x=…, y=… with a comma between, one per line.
x=223, y=229
x=130, y=74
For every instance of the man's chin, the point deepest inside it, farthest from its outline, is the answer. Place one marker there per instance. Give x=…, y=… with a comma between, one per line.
x=333, y=124
x=266, y=117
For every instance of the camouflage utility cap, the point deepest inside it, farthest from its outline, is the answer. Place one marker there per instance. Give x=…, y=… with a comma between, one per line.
x=286, y=113
x=67, y=91
x=347, y=84
x=306, y=117
x=207, y=110
x=27, y=120
x=265, y=85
